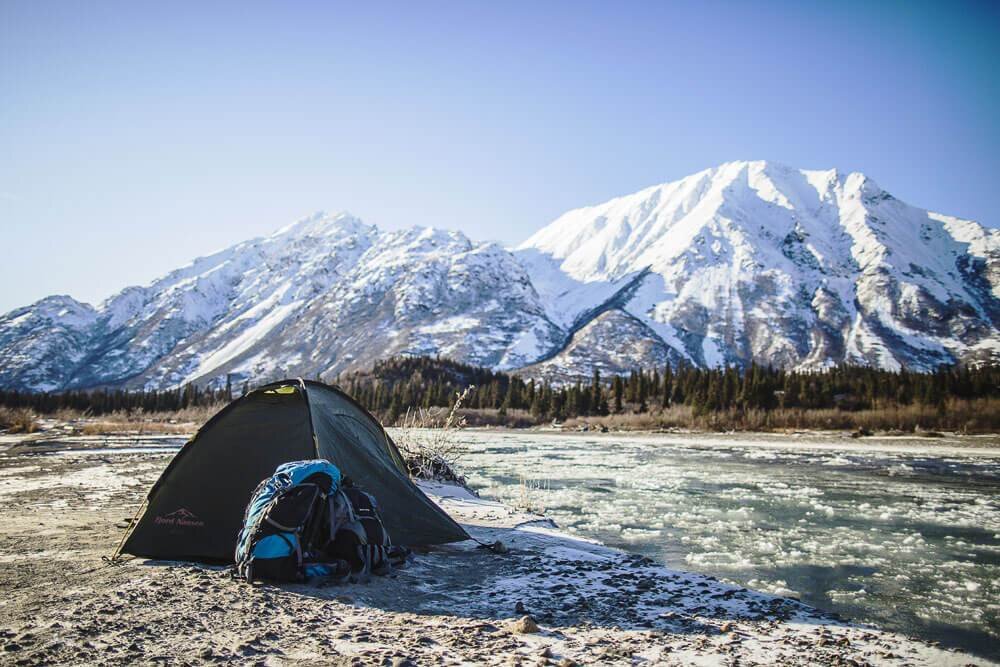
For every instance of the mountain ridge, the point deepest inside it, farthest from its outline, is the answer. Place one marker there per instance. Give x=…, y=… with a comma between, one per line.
x=747, y=261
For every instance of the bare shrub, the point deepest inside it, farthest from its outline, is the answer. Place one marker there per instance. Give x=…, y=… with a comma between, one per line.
x=527, y=498
x=429, y=443
x=17, y=420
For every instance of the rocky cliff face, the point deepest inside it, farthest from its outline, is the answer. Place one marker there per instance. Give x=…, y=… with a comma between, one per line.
x=750, y=261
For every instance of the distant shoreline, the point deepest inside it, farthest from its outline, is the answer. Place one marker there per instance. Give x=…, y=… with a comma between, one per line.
x=47, y=428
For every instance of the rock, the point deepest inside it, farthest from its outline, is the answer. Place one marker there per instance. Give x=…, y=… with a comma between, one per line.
x=567, y=662
x=519, y=607
x=726, y=627
x=617, y=652
x=524, y=626
x=403, y=662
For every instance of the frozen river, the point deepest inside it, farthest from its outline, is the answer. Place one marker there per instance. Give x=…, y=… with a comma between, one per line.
x=901, y=532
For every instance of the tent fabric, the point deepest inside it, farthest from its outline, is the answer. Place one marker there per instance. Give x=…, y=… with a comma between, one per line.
x=370, y=458
x=195, y=510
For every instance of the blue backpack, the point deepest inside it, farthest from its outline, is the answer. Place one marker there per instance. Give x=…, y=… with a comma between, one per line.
x=288, y=522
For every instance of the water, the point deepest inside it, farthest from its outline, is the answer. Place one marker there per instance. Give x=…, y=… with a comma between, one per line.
x=879, y=531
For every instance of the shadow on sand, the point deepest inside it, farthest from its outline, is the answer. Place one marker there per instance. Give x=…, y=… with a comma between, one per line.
x=561, y=581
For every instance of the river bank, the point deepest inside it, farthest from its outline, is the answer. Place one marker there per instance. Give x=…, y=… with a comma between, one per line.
x=67, y=502
x=35, y=427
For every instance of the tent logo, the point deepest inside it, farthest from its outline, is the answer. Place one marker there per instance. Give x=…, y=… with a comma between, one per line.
x=182, y=517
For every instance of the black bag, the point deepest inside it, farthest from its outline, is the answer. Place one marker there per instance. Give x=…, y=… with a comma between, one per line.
x=360, y=537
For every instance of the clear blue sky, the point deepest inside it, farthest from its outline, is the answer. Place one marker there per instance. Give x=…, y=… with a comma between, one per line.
x=135, y=136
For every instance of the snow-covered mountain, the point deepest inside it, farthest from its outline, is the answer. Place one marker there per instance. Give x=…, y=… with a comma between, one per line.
x=325, y=294
x=758, y=261
x=746, y=261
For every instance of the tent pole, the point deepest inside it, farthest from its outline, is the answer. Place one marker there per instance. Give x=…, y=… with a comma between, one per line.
x=128, y=531
x=305, y=397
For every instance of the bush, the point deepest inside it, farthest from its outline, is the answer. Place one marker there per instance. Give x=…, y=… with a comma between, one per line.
x=17, y=420
x=433, y=452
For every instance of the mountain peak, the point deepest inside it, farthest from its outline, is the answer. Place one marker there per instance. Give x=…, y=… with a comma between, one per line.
x=611, y=238
x=322, y=223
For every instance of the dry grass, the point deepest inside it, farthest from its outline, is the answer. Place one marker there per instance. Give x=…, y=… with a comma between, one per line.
x=137, y=422
x=100, y=427
x=493, y=417
x=956, y=415
x=178, y=422
x=961, y=416
x=18, y=420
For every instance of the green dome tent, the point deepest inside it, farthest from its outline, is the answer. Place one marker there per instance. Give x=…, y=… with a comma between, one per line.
x=195, y=510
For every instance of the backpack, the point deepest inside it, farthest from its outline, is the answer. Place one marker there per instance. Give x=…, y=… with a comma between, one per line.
x=287, y=523
x=360, y=537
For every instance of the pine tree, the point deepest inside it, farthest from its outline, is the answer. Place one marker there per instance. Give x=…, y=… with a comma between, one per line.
x=668, y=381
x=596, y=396
x=642, y=390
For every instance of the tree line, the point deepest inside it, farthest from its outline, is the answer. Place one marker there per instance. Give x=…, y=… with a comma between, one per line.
x=395, y=385
x=106, y=401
